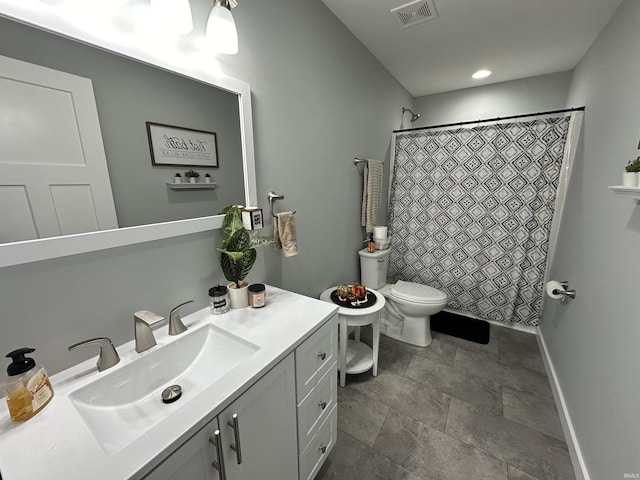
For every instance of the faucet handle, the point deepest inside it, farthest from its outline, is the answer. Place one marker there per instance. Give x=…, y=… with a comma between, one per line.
x=108, y=355
x=176, y=327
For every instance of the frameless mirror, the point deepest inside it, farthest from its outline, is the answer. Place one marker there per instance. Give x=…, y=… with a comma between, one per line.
x=128, y=94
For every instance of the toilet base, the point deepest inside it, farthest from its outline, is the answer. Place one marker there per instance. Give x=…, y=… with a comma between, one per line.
x=414, y=331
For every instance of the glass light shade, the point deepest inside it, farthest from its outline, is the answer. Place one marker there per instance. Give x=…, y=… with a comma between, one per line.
x=172, y=14
x=221, y=31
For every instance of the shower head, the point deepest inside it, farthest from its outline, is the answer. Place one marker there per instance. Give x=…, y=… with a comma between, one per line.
x=414, y=116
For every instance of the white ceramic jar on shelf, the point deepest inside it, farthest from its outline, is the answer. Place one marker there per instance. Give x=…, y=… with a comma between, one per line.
x=630, y=179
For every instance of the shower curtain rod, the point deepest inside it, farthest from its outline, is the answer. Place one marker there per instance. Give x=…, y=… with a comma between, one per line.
x=495, y=119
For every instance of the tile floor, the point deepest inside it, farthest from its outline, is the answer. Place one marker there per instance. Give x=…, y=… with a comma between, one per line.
x=455, y=410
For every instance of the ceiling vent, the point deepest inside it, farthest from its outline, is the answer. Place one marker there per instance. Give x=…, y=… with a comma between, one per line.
x=413, y=13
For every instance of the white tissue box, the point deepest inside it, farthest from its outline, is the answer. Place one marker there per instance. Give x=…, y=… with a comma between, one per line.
x=252, y=218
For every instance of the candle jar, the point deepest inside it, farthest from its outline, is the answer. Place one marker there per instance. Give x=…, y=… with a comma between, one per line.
x=257, y=295
x=218, y=301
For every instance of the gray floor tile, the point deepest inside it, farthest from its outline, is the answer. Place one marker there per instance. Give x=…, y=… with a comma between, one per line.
x=490, y=349
x=522, y=349
x=511, y=334
x=408, y=397
x=360, y=414
x=432, y=454
x=351, y=460
x=528, y=450
x=440, y=348
x=514, y=376
x=479, y=391
x=533, y=411
x=393, y=359
x=515, y=474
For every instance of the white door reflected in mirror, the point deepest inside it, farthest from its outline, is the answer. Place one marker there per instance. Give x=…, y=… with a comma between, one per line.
x=53, y=170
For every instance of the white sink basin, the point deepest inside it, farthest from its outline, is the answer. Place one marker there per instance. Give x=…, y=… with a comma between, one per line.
x=124, y=404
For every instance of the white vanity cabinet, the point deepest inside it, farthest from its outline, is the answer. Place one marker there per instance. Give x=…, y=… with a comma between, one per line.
x=286, y=422
x=265, y=441
x=316, y=394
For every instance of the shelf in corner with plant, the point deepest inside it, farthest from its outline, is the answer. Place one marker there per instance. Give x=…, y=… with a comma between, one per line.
x=630, y=180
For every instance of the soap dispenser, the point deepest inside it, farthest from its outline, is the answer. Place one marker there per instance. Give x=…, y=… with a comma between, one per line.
x=28, y=388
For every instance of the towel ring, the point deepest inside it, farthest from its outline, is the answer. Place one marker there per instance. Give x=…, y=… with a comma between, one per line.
x=272, y=197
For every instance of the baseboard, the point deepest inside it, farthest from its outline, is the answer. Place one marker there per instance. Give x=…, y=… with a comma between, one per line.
x=579, y=466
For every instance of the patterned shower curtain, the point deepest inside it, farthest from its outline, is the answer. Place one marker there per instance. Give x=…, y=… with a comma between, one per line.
x=471, y=211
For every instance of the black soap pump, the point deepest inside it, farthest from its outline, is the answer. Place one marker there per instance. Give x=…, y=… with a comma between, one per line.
x=28, y=388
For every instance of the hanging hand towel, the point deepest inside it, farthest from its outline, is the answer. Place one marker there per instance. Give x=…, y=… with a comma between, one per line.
x=371, y=194
x=284, y=234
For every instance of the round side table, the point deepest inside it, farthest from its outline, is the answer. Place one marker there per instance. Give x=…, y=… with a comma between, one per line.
x=355, y=356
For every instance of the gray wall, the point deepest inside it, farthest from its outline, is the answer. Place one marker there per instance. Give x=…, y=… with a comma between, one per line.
x=593, y=341
x=319, y=99
x=128, y=94
x=528, y=95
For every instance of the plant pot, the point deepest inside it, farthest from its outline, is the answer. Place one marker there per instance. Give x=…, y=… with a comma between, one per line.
x=630, y=179
x=238, y=297
x=193, y=179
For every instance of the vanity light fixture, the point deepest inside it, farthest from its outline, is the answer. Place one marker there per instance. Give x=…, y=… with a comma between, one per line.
x=481, y=74
x=222, y=34
x=173, y=14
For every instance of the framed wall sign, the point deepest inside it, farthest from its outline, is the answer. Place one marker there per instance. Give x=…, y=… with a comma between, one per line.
x=172, y=145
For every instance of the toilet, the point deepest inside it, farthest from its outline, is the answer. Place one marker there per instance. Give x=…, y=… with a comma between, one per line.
x=407, y=314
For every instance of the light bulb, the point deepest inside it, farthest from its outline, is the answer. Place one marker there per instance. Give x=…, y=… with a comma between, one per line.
x=221, y=31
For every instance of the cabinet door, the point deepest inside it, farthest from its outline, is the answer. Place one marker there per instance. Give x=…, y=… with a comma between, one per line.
x=191, y=461
x=266, y=428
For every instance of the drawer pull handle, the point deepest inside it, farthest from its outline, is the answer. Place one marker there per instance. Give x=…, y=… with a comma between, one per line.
x=322, y=356
x=322, y=405
x=323, y=449
x=219, y=463
x=233, y=423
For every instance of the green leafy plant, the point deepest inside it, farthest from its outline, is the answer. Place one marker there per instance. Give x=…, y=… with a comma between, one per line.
x=191, y=173
x=237, y=253
x=633, y=166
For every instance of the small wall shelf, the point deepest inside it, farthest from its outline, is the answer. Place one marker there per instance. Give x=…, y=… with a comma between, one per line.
x=631, y=192
x=192, y=186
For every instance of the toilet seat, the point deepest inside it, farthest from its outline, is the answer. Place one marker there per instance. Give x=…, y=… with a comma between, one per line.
x=417, y=293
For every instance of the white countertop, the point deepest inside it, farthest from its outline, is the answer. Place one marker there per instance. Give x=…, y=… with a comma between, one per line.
x=57, y=444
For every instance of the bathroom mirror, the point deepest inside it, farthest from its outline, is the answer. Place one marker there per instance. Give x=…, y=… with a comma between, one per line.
x=40, y=249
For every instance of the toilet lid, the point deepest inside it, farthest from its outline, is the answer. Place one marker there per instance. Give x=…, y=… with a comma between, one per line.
x=417, y=293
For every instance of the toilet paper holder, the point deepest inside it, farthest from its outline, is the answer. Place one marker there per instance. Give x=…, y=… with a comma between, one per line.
x=566, y=292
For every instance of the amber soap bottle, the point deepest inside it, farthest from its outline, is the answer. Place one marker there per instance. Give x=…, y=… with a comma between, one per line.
x=28, y=387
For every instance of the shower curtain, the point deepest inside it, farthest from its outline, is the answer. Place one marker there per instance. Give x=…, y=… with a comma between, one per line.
x=471, y=213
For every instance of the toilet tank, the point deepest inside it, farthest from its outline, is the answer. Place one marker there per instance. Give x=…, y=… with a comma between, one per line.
x=373, y=267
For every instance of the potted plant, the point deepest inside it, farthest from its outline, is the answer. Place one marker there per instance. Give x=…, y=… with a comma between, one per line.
x=630, y=176
x=192, y=176
x=207, y=178
x=177, y=178
x=237, y=255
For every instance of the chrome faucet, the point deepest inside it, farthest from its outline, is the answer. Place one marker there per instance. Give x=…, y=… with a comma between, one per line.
x=108, y=355
x=176, y=327
x=143, y=322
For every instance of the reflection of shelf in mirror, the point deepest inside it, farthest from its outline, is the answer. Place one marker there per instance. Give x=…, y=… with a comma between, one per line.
x=192, y=186
x=631, y=192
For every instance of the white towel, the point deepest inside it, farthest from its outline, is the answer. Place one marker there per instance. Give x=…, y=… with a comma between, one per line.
x=371, y=194
x=284, y=234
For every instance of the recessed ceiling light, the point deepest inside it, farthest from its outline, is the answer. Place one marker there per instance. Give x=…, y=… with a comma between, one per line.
x=481, y=74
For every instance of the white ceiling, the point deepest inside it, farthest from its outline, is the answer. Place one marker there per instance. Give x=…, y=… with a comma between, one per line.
x=513, y=38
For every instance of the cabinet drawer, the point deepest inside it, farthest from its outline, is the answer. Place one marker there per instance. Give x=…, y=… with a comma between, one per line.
x=320, y=446
x=316, y=407
x=315, y=356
